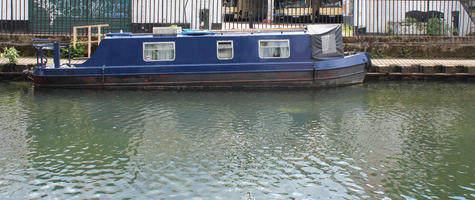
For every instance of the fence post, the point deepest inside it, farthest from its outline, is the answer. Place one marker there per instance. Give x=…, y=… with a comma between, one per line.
x=427, y=17
x=251, y=20
x=11, y=19
x=89, y=41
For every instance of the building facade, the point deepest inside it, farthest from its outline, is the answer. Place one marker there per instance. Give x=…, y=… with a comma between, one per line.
x=411, y=17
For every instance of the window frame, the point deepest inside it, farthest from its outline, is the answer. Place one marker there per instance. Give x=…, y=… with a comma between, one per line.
x=167, y=42
x=232, y=49
x=259, y=48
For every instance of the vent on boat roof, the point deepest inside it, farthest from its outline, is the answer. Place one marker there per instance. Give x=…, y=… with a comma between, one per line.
x=118, y=34
x=197, y=32
x=166, y=30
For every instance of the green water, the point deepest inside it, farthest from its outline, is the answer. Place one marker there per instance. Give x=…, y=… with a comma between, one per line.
x=373, y=141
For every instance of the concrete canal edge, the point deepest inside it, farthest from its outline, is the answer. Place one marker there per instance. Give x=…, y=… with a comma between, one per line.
x=417, y=57
x=419, y=69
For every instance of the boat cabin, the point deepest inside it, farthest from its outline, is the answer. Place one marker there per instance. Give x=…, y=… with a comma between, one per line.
x=205, y=51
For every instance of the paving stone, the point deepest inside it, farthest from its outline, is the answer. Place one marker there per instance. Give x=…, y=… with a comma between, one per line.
x=383, y=69
x=450, y=69
x=394, y=68
x=428, y=69
x=470, y=69
x=423, y=62
x=410, y=69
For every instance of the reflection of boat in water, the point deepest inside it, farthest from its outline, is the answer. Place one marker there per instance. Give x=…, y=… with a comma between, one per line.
x=203, y=59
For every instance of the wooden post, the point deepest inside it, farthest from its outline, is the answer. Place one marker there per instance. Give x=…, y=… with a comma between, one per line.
x=75, y=33
x=89, y=42
x=89, y=36
x=99, y=35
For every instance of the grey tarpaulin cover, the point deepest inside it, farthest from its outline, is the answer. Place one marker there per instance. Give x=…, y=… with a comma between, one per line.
x=326, y=41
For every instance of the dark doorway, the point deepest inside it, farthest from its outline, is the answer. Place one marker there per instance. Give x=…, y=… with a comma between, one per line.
x=455, y=22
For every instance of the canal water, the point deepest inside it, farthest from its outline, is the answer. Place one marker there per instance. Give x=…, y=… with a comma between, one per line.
x=409, y=140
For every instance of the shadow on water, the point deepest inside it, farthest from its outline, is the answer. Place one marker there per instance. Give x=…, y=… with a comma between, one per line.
x=379, y=140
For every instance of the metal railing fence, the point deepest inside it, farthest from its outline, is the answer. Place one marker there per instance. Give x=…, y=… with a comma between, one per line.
x=359, y=17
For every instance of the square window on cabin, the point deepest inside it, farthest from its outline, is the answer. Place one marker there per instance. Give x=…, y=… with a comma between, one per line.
x=274, y=49
x=159, y=51
x=225, y=50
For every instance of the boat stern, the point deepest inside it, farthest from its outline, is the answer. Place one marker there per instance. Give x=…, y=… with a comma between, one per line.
x=342, y=71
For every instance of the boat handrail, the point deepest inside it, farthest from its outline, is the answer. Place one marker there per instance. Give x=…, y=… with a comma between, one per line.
x=42, y=44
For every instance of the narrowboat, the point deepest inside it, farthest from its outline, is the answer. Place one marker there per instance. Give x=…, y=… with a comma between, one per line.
x=172, y=58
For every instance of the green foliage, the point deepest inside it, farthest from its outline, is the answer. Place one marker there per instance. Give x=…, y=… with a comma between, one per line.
x=437, y=27
x=11, y=54
x=76, y=51
x=378, y=54
x=405, y=53
x=347, y=30
x=410, y=20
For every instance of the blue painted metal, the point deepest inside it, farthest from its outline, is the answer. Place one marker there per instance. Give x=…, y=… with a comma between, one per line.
x=176, y=69
x=357, y=59
x=121, y=55
x=197, y=50
x=41, y=58
x=42, y=44
x=57, y=55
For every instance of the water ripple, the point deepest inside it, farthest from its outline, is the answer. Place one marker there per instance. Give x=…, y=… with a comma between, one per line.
x=372, y=141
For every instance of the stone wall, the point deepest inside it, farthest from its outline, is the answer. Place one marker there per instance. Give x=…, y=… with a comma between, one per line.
x=413, y=47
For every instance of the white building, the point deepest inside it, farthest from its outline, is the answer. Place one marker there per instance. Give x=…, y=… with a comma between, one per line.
x=16, y=10
x=381, y=16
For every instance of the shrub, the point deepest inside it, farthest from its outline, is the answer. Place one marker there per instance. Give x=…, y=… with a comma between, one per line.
x=437, y=27
x=405, y=53
x=76, y=51
x=11, y=54
x=410, y=20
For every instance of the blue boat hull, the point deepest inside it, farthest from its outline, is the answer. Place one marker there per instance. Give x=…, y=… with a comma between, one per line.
x=335, y=72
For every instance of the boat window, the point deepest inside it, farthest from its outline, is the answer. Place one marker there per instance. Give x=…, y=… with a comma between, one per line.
x=274, y=49
x=225, y=50
x=159, y=51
